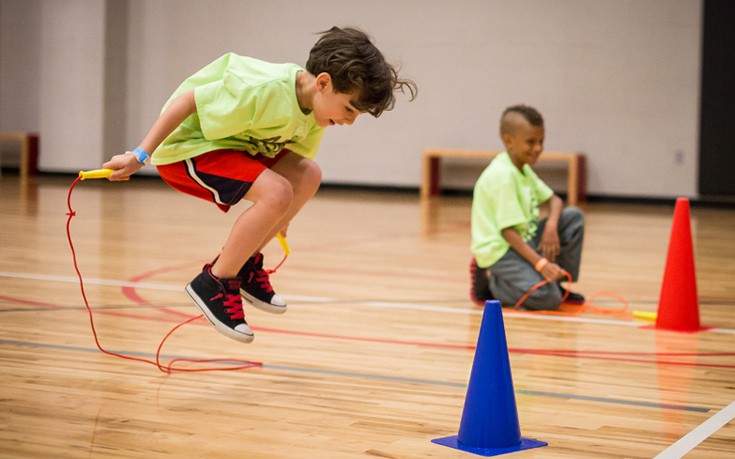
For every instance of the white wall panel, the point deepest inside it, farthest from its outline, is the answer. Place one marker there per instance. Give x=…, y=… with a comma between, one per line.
x=618, y=80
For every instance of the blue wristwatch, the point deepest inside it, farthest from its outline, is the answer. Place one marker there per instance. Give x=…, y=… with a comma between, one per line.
x=140, y=154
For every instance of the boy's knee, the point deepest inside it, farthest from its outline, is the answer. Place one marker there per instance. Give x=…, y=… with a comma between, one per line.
x=573, y=221
x=311, y=176
x=574, y=214
x=546, y=298
x=280, y=194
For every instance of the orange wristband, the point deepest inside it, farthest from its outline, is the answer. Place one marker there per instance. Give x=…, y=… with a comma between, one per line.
x=541, y=263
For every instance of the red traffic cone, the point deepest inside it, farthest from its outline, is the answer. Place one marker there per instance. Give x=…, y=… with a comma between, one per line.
x=678, y=307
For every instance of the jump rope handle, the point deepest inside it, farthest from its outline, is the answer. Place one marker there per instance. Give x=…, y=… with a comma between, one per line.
x=284, y=244
x=95, y=174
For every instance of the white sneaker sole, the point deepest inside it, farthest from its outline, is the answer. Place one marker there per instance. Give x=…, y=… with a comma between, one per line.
x=263, y=306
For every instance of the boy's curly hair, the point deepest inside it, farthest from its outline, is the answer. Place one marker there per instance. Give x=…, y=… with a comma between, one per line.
x=356, y=65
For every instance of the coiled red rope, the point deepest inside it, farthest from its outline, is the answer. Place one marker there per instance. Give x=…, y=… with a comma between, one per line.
x=574, y=310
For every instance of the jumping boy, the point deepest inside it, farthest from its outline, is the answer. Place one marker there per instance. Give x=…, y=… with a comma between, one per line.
x=513, y=250
x=241, y=128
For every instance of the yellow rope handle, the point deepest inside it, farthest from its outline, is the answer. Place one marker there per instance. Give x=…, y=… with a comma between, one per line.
x=284, y=244
x=95, y=174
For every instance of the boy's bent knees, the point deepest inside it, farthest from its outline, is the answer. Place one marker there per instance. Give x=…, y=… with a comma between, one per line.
x=573, y=214
x=281, y=195
x=311, y=177
x=572, y=217
x=272, y=191
x=304, y=174
x=545, y=298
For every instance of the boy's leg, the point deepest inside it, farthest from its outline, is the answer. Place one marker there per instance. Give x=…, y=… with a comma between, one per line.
x=271, y=196
x=571, y=237
x=304, y=176
x=225, y=177
x=513, y=276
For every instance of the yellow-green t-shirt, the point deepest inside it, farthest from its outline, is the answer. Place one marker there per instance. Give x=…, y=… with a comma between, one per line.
x=504, y=197
x=242, y=104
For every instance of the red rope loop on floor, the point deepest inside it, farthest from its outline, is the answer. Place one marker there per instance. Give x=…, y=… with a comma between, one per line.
x=574, y=310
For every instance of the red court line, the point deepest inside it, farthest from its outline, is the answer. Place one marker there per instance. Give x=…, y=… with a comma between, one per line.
x=29, y=302
x=365, y=339
x=589, y=355
x=96, y=311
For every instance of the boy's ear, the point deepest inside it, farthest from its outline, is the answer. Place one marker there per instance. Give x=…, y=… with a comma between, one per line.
x=323, y=81
x=507, y=139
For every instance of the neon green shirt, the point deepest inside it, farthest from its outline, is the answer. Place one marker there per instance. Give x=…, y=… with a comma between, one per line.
x=504, y=197
x=242, y=104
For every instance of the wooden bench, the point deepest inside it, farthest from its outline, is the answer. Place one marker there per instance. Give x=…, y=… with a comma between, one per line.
x=28, y=151
x=576, y=173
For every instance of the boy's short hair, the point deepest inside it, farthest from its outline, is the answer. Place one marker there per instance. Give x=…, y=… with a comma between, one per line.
x=530, y=114
x=356, y=65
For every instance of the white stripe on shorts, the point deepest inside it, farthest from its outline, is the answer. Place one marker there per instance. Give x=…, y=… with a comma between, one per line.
x=193, y=175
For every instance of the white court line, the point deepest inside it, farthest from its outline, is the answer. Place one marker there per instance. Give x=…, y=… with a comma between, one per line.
x=689, y=441
x=370, y=304
x=478, y=311
x=521, y=315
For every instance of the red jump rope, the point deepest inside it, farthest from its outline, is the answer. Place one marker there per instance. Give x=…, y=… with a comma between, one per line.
x=166, y=368
x=574, y=310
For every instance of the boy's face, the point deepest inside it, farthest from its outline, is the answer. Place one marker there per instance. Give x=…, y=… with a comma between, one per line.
x=332, y=107
x=525, y=143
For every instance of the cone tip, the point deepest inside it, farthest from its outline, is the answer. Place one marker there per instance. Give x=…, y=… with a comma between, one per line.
x=492, y=303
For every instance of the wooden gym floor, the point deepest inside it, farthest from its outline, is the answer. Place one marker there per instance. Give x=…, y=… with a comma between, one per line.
x=374, y=355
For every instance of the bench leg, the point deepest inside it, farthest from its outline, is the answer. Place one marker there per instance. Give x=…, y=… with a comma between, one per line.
x=582, y=179
x=572, y=182
x=434, y=176
x=430, y=178
x=24, y=158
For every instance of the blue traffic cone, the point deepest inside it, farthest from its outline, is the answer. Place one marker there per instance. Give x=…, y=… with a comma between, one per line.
x=489, y=425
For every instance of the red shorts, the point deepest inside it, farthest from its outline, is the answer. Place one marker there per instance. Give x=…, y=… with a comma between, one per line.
x=219, y=176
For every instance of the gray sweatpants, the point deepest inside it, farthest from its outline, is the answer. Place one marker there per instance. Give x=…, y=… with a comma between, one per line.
x=512, y=276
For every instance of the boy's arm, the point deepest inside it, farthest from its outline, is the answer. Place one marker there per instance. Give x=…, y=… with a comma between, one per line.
x=127, y=164
x=549, y=244
x=550, y=270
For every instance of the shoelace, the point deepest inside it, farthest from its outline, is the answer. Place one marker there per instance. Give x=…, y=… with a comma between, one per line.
x=263, y=278
x=233, y=305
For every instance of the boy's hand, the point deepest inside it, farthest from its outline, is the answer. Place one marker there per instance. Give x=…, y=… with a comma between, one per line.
x=124, y=166
x=553, y=272
x=549, y=245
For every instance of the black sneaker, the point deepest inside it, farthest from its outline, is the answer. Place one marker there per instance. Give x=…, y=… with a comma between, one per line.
x=479, y=285
x=256, y=287
x=572, y=298
x=219, y=300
